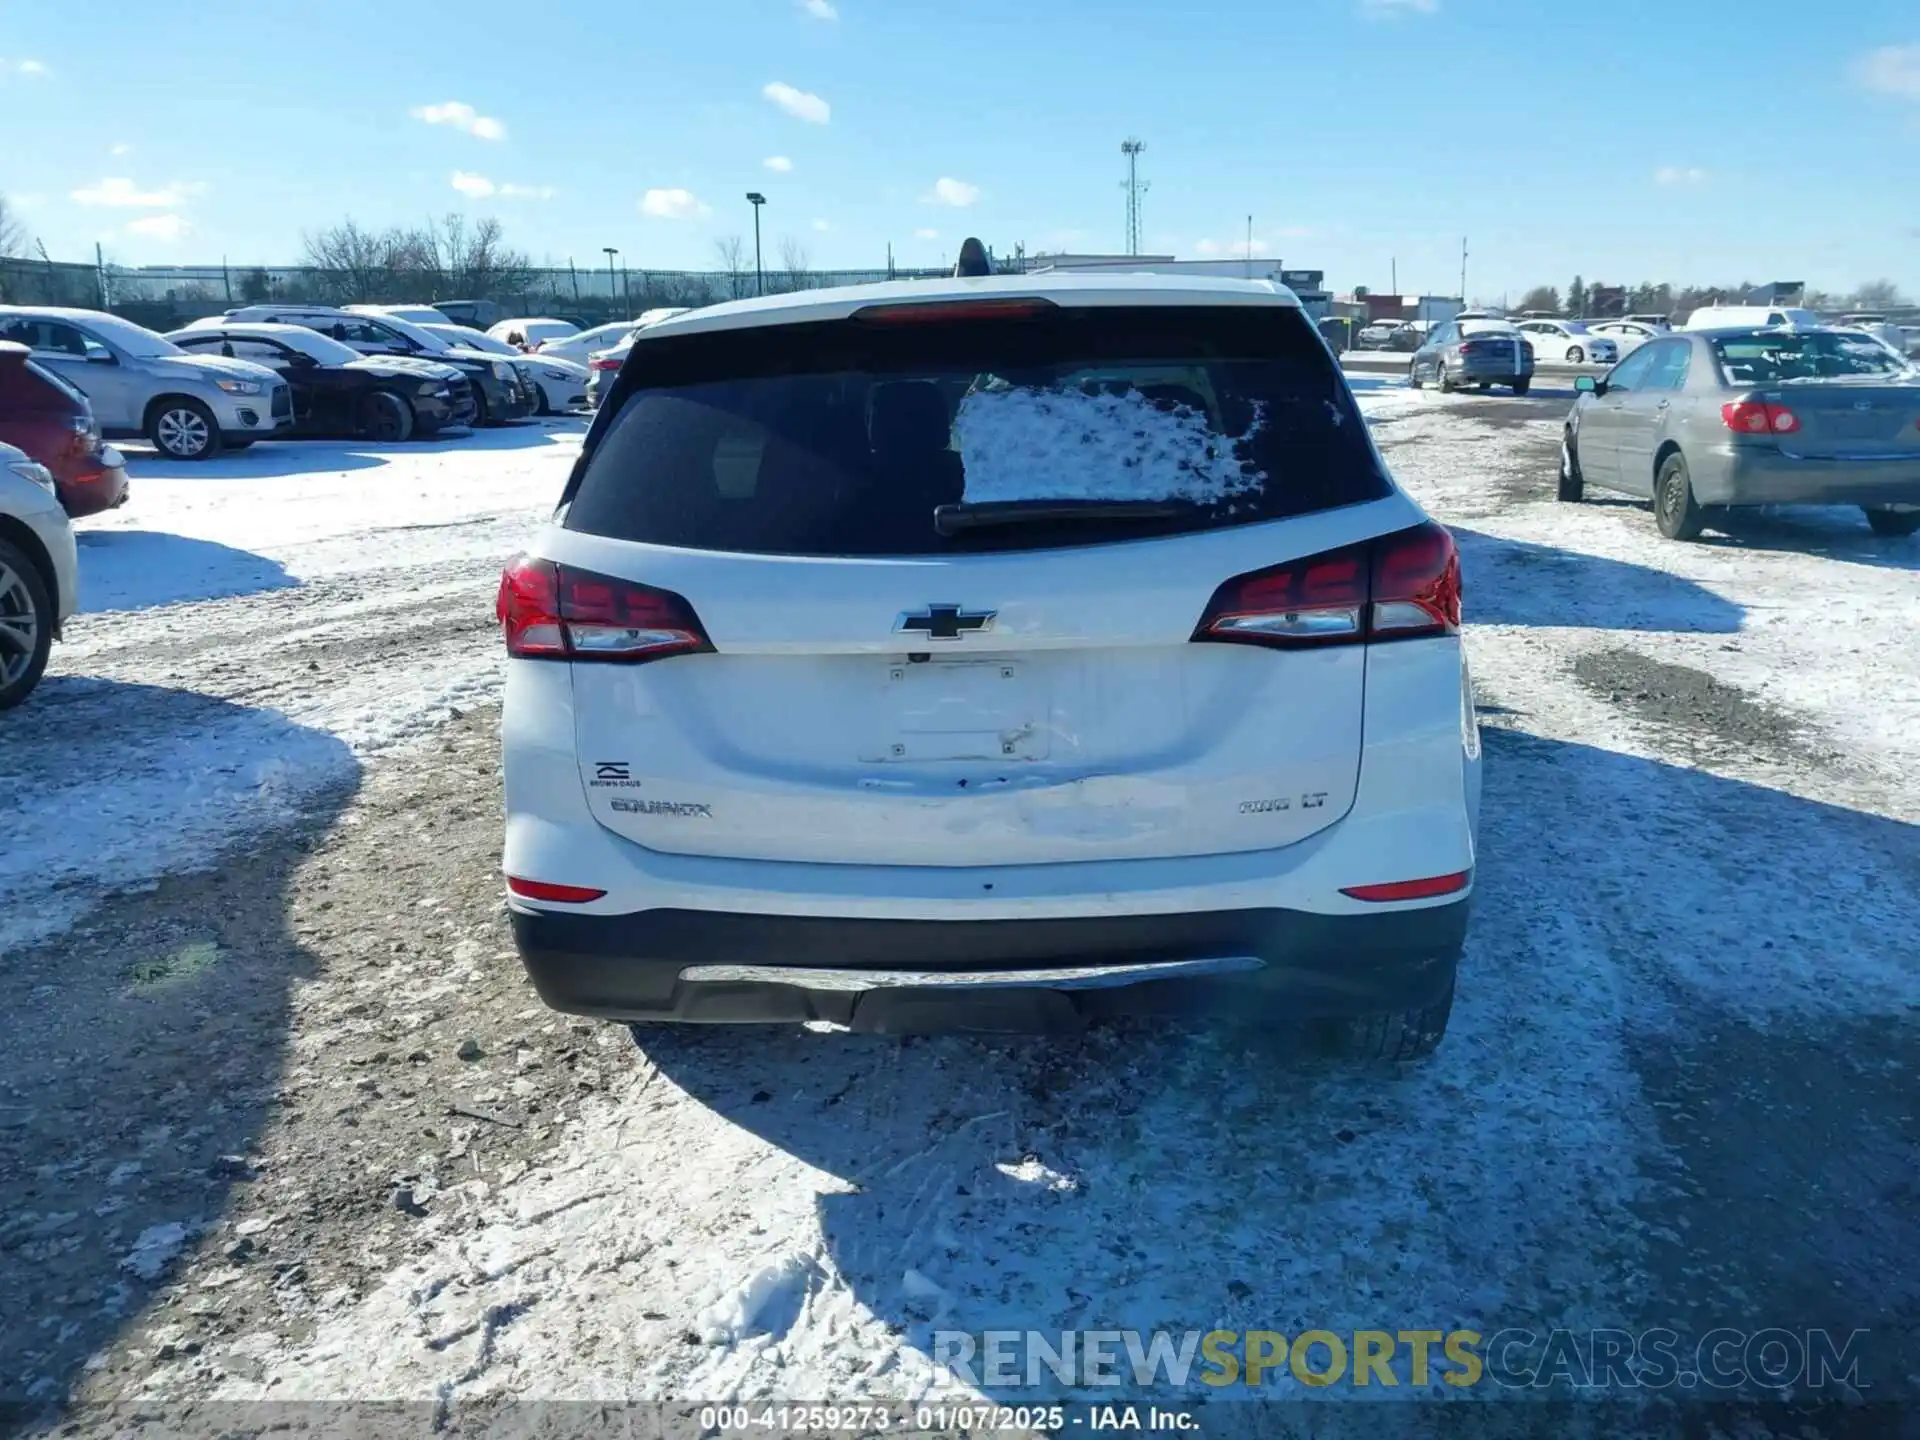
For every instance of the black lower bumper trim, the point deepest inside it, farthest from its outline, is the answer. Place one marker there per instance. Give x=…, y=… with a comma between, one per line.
x=628, y=967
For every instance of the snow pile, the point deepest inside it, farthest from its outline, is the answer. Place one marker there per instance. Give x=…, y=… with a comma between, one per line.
x=1026, y=444
x=752, y=1306
x=157, y=1248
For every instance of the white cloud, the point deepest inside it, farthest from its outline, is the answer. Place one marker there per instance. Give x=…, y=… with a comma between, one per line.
x=122, y=193
x=159, y=227
x=823, y=226
x=1891, y=70
x=674, y=205
x=1671, y=175
x=1384, y=9
x=949, y=191
x=778, y=163
x=32, y=69
x=820, y=9
x=510, y=191
x=479, y=187
x=799, y=103
x=926, y=234
x=475, y=187
x=121, y=149
x=462, y=117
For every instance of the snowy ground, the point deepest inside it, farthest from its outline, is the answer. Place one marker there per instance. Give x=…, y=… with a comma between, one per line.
x=224, y=665
x=1677, y=1091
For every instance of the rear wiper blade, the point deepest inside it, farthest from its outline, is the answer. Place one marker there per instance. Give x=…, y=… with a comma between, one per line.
x=953, y=519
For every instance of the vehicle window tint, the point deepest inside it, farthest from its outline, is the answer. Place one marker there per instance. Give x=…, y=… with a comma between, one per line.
x=1771, y=359
x=53, y=337
x=1669, y=368
x=841, y=438
x=261, y=352
x=1631, y=373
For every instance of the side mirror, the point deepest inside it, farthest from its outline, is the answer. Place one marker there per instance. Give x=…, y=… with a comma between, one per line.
x=1586, y=384
x=101, y=357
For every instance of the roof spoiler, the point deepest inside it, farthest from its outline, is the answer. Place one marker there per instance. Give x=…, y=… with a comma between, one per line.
x=973, y=259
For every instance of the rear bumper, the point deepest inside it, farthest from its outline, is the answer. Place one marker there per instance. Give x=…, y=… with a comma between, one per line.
x=100, y=485
x=1727, y=475
x=704, y=966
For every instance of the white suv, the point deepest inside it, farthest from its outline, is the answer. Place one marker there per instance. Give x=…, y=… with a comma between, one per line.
x=989, y=653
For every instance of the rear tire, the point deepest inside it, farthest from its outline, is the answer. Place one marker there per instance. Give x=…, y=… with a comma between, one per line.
x=481, y=415
x=1389, y=1035
x=1573, y=485
x=388, y=419
x=1447, y=387
x=1521, y=387
x=1677, y=514
x=26, y=625
x=1895, y=524
x=1414, y=382
x=540, y=405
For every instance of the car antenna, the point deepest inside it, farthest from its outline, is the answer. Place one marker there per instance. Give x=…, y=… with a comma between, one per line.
x=973, y=259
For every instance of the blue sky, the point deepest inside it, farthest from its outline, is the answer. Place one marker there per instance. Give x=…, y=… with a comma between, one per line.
x=1684, y=140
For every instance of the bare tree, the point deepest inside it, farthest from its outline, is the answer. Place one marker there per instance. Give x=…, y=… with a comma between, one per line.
x=13, y=235
x=1541, y=297
x=793, y=260
x=731, y=251
x=354, y=263
x=1878, y=295
x=454, y=259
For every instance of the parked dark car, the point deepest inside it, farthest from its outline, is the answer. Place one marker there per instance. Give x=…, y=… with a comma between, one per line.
x=53, y=423
x=498, y=392
x=337, y=390
x=1484, y=353
x=1703, y=419
x=474, y=314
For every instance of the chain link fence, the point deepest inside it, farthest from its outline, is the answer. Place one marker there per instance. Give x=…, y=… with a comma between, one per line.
x=166, y=297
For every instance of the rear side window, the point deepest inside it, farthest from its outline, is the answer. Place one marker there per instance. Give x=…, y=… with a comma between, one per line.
x=843, y=438
x=30, y=386
x=1783, y=357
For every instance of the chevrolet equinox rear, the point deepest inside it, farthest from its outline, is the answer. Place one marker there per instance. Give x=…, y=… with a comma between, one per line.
x=990, y=653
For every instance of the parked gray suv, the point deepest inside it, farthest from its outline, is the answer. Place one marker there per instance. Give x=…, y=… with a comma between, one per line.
x=143, y=385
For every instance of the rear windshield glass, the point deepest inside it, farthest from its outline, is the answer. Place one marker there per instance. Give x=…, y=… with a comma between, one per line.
x=1772, y=359
x=842, y=438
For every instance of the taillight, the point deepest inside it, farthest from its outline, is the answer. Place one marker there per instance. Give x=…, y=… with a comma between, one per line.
x=1424, y=889
x=554, y=612
x=1399, y=587
x=1466, y=347
x=1758, y=417
x=603, y=363
x=547, y=890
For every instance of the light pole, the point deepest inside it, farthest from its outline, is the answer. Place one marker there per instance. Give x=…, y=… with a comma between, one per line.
x=613, y=294
x=756, y=199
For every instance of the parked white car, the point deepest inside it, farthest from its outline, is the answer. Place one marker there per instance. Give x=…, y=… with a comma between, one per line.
x=561, y=385
x=1627, y=335
x=587, y=343
x=1569, y=342
x=531, y=332
x=39, y=573
x=817, y=722
x=1755, y=317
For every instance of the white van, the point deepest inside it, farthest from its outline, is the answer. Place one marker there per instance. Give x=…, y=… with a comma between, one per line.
x=1722, y=317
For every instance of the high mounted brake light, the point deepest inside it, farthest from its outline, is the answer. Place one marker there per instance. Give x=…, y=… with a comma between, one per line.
x=555, y=612
x=939, y=312
x=1402, y=586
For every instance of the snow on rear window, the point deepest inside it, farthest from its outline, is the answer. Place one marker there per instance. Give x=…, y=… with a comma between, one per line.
x=1028, y=444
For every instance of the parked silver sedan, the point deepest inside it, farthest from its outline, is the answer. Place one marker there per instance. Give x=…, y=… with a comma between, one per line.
x=1703, y=419
x=1473, y=352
